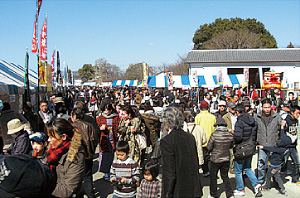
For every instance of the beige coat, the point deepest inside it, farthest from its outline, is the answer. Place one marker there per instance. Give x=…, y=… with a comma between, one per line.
x=227, y=119
x=200, y=138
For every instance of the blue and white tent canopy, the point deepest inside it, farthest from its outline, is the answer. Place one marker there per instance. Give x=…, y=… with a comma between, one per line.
x=12, y=74
x=121, y=83
x=161, y=81
x=206, y=81
x=233, y=80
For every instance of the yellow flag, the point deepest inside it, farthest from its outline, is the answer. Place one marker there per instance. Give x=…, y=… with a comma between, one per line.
x=42, y=73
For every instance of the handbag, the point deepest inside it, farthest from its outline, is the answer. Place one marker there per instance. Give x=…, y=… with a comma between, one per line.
x=245, y=149
x=141, y=140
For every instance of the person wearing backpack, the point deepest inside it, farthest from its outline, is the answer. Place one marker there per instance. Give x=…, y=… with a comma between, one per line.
x=245, y=128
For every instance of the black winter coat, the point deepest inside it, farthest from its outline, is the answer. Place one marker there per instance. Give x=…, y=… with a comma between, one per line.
x=180, y=165
x=243, y=128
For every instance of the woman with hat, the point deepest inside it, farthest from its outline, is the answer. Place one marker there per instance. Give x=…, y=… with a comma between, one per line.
x=65, y=157
x=21, y=144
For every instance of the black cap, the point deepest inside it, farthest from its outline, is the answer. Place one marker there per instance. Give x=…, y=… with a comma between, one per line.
x=220, y=122
x=285, y=103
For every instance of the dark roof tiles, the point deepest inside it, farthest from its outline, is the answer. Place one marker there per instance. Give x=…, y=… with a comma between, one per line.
x=244, y=55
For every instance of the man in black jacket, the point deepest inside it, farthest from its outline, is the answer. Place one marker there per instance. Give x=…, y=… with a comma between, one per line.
x=245, y=128
x=291, y=131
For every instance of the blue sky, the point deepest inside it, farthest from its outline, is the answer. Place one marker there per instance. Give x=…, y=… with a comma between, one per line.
x=128, y=32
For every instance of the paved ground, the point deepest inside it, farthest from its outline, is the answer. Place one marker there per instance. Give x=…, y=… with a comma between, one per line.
x=104, y=189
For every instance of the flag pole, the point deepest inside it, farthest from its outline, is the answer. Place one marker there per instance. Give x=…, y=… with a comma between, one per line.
x=37, y=60
x=26, y=78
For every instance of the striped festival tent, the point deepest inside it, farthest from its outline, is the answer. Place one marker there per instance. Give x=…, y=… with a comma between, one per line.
x=161, y=81
x=121, y=83
x=206, y=81
x=13, y=74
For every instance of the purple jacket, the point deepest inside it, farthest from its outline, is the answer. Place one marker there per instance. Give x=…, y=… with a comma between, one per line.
x=20, y=145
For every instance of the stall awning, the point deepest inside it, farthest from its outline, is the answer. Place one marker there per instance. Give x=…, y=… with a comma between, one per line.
x=121, y=83
x=206, y=81
x=233, y=80
x=12, y=74
x=161, y=81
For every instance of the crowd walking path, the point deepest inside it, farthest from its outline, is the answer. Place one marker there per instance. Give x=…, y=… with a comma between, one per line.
x=104, y=189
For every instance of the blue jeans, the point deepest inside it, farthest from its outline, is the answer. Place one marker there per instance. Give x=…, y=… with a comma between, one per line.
x=293, y=153
x=239, y=167
x=261, y=166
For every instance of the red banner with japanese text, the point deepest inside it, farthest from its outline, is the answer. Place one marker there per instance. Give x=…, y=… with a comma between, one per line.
x=34, y=48
x=43, y=45
x=39, y=4
x=170, y=80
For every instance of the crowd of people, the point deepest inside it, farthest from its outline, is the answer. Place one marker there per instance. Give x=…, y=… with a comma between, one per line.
x=152, y=142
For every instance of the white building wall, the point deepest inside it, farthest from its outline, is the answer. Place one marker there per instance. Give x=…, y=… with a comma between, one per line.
x=291, y=77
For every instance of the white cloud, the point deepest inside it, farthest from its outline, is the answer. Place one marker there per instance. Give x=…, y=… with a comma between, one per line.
x=151, y=44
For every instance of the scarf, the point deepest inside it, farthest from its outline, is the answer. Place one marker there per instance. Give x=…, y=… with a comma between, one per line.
x=54, y=154
x=109, y=116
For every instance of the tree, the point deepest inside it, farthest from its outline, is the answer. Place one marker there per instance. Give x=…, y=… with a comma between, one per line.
x=86, y=72
x=290, y=45
x=178, y=68
x=134, y=72
x=208, y=35
x=234, y=39
x=106, y=72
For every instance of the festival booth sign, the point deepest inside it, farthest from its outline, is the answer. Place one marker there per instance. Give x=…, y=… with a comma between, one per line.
x=170, y=80
x=272, y=80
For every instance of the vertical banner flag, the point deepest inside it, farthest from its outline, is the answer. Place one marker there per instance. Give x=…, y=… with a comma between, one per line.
x=43, y=45
x=170, y=80
x=246, y=76
x=42, y=73
x=58, y=72
x=145, y=69
x=65, y=74
x=34, y=48
x=220, y=77
x=39, y=4
x=195, y=78
x=48, y=77
x=52, y=66
x=70, y=76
